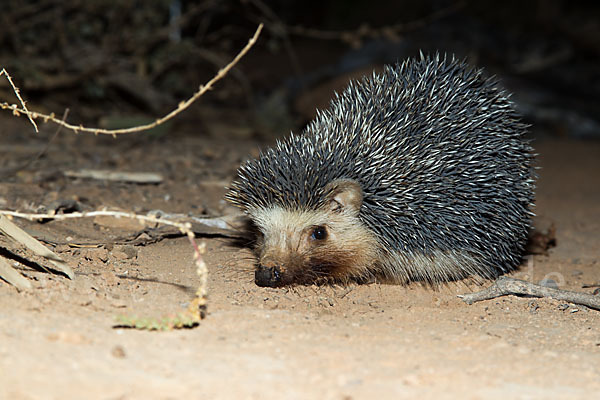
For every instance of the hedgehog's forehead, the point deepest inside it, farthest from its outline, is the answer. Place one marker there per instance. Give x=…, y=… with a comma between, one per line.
x=284, y=219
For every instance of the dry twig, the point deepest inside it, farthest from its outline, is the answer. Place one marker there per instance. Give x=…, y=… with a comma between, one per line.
x=114, y=132
x=16, y=111
x=197, y=309
x=504, y=286
x=357, y=36
x=116, y=176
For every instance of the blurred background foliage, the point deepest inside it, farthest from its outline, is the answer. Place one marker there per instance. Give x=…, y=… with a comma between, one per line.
x=141, y=57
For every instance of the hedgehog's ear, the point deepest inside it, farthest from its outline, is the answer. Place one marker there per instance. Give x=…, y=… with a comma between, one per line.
x=344, y=195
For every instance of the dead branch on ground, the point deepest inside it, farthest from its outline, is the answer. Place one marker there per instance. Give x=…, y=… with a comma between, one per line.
x=197, y=309
x=505, y=286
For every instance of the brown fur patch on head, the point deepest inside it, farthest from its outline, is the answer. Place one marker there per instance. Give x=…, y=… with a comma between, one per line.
x=323, y=245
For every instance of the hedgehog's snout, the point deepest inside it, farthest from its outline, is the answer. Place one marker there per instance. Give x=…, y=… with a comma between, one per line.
x=266, y=276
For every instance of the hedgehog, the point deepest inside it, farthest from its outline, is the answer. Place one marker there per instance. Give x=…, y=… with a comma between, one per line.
x=419, y=173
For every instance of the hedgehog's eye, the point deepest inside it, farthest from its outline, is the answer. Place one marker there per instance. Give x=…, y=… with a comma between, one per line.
x=319, y=233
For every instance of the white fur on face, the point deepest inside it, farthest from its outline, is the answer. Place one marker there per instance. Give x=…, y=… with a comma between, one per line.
x=280, y=225
x=349, y=248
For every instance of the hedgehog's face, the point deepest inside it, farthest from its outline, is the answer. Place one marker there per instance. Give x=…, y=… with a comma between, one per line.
x=311, y=246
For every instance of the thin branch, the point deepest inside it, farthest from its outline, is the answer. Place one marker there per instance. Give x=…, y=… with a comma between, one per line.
x=24, y=110
x=357, y=35
x=197, y=308
x=504, y=286
x=279, y=28
x=183, y=227
x=114, y=132
x=201, y=299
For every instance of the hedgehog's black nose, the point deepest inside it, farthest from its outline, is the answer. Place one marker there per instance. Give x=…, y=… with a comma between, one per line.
x=267, y=276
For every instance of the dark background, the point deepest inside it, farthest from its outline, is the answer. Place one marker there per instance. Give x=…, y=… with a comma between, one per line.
x=118, y=63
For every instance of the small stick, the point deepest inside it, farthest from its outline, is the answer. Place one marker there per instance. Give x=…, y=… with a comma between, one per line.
x=117, y=176
x=364, y=32
x=16, y=91
x=183, y=227
x=197, y=308
x=504, y=286
x=198, y=305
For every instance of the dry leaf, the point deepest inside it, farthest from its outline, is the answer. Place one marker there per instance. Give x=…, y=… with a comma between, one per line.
x=19, y=235
x=12, y=276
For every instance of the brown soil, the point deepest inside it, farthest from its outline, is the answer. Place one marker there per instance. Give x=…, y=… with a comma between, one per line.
x=360, y=342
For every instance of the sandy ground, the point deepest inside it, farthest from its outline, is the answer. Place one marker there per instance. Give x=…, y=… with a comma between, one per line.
x=361, y=342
